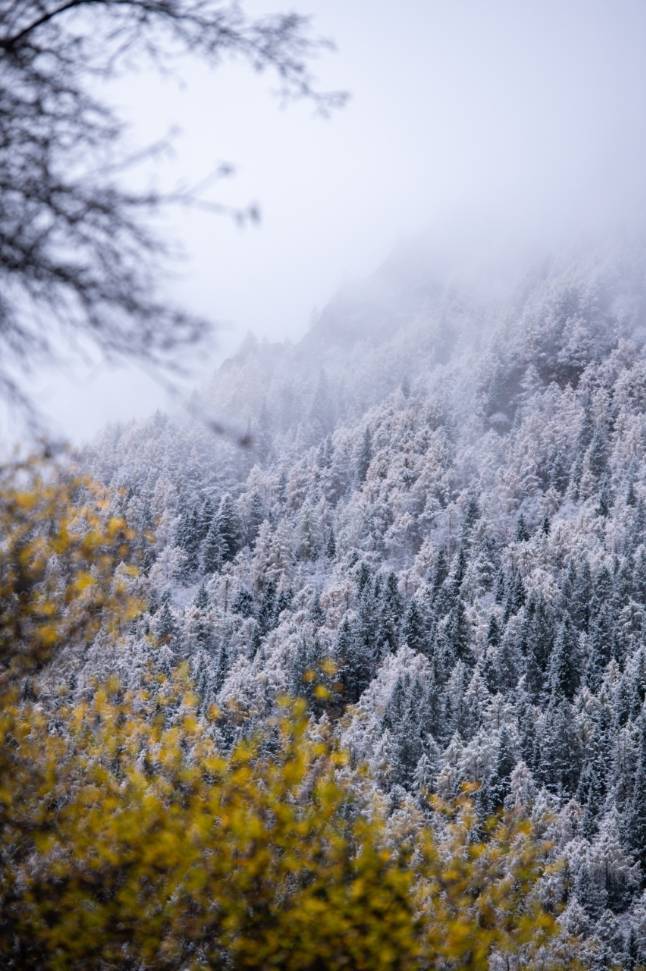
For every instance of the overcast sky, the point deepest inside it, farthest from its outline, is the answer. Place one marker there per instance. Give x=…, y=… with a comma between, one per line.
x=524, y=116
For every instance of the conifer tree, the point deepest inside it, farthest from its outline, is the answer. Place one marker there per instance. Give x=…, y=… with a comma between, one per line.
x=600, y=648
x=522, y=533
x=636, y=810
x=564, y=668
x=458, y=633
x=355, y=658
x=412, y=630
x=189, y=536
x=364, y=457
x=500, y=784
x=391, y=614
x=228, y=527
x=471, y=516
x=165, y=625
x=213, y=550
x=243, y=603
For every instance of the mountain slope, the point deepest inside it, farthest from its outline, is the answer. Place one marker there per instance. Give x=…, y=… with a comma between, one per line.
x=445, y=499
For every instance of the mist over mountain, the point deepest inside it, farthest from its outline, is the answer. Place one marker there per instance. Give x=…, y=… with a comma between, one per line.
x=423, y=314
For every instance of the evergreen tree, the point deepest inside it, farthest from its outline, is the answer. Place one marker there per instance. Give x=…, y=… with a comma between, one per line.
x=590, y=793
x=516, y=595
x=426, y=772
x=611, y=865
x=206, y=517
x=189, y=535
x=636, y=810
x=391, y=614
x=603, y=588
x=363, y=578
x=493, y=632
x=228, y=527
x=500, y=784
x=538, y=636
x=564, y=669
x=600, y=649
x=596, y=455
x=458, y=633
x=459, y=569
x=255, y=517
x=522, y=533
x=267, y=608
x=604, y=496
x=317, y=614
x=440, y=572
x=559, y=764
x=165, y=626
x=330, y=547
x=581, y=594
x=364, y=457
x=490, y=671
x=201, y=598
x=213, y=550
x=508, y=661
x=471, y=516
x=590, y=893
x=412, y=629
x=355, y=661
x=243, y=603
x=284, y=599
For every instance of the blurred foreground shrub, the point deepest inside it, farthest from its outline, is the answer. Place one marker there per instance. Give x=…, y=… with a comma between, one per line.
x=59, y=550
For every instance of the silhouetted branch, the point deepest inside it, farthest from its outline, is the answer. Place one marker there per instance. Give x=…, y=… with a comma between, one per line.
x=78, y=255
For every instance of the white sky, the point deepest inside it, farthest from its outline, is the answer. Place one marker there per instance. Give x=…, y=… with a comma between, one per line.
x=529, y=115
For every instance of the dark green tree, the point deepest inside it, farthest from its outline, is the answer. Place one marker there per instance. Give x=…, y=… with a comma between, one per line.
x=228, y=527
x=364, y=456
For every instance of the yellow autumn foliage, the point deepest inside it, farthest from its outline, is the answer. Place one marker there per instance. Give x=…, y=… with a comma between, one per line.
x=130, y=839
x=58, y=552
x=133, y=842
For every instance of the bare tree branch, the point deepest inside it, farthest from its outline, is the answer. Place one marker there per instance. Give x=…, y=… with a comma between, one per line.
x=78, y=254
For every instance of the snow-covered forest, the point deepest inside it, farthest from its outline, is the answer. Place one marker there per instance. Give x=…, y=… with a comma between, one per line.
x=441, y=520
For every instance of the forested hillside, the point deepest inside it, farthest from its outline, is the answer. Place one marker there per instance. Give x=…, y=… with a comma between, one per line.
x=441, y=521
